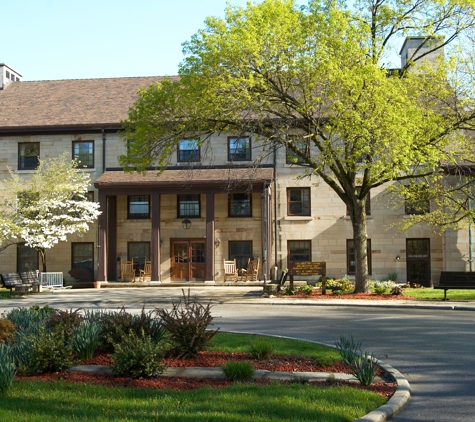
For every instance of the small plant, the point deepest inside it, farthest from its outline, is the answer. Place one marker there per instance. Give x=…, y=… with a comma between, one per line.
x=289, y=291
x=340, y=286
x=65, y=320
x=331, y=379
x=238, y=371
x=392, y=276
x=348, y=348
x=187, y=324
x=261, y=350
x=323, y=361
x=50, y=352
x=364, y=368
x=8, y=369
x=137, y=356
x=383, y=287
x=397, y=291
x=7, y=330
x=307, y=290
x=86, y=339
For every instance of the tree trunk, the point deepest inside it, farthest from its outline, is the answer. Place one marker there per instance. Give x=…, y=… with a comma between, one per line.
x=358, y=220
x=43, y=259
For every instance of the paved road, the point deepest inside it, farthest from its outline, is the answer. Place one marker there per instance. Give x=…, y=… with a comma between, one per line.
x=432, y=347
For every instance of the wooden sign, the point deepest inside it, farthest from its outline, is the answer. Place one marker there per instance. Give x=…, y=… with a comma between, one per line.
x=308, y=269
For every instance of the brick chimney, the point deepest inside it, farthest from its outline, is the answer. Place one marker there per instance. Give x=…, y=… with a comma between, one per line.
x=413, y=47
x=8, y=75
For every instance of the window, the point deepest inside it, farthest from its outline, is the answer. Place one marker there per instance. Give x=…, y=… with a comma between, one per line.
x=188, y=150
x=138, y=206
x=239, y=149
x=27, y=258
x=241, y=252
x=351, y=259
x=28, y=155
x=188, y=206
x=82, y=255
x=299, y=251
x=418, y=207
x=240, y=205
x=367, y=204
x=139, y=252
x=298, y=201
x=83, y=152
x=303, y=146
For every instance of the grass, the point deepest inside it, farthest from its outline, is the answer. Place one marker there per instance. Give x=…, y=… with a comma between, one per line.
x=34, y=401
x=429, y=293
x=62, y=401
x=5, y=294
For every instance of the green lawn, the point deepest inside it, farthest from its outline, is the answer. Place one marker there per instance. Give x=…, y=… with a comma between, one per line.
x=429, y=293
x=34, y=401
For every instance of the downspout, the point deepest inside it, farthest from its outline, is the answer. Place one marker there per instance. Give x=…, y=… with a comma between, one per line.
x=264, y=231
x=103, y=150
x=470, y=253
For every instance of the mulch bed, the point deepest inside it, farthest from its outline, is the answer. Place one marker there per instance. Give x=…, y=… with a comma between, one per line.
x=317, y=294
x=208, y=359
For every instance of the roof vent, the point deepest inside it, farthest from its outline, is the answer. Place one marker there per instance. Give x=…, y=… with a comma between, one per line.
x=8, y=75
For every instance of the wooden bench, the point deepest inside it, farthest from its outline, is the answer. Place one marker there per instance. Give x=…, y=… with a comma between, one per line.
x=21, y=282
x=455, y=280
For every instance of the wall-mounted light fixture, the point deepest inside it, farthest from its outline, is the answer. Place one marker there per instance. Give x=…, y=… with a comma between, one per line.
x=217, y=242
x=398, y=257
x=186, y=223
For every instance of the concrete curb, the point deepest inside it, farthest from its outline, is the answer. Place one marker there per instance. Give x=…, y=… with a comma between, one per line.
x=396, y=403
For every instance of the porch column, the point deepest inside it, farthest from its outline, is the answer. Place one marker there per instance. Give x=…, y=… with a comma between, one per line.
x=102, y=238
x=209, y=252
x=112, y=237
x=155, y=246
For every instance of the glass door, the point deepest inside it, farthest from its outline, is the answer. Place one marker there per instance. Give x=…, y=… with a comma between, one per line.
x=418, y=261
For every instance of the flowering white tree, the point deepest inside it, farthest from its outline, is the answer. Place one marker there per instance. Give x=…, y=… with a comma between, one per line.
x=45, y=209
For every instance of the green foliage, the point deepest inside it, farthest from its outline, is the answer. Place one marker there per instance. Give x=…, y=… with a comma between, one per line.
x=340, y=286
x=50, y=351
x=289, y=291
x=7, y=330
x=348, y=348
x=324, y=360
x=307, y=289
x=137, y=355
x=364, y=368
x=86, y=339
x=335, y=90
x=238, y=371
x=187, y=324
x=8, y=368
x=392, y=276
x=383, y=287
x=261, y=349
x=115, y=324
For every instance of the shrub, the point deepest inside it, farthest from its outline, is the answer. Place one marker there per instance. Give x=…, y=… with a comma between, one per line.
x=364, y=368
x=238, y=371
x=115, y=324
x=261, y=349
x=342, y=285
x=305, y=289
x=65, y=320
x=137, y=356
x=382, y=287
x=8, y=368
x=289, y=291
x=397, y=291
x=348, y=348
x=7, y=330
x=86, y=339
x=49, y=351
x=323, y=361
x=392, y=277
x=187, y=324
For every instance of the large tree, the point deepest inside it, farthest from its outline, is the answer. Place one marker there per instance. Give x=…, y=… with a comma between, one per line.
x=44, y=209
x=319, y=73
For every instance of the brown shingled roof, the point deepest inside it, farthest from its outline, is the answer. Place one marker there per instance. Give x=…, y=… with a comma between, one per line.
x=78, y=102
x=221, y=178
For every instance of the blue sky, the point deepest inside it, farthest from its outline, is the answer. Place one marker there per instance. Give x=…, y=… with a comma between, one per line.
x=75, y=39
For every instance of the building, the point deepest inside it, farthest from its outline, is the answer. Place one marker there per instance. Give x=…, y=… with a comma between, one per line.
x=206, y=207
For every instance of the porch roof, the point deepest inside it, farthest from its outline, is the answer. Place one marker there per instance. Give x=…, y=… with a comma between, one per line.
x=190, y=178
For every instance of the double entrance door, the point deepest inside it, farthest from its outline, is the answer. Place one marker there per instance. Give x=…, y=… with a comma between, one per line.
x=188, y=260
